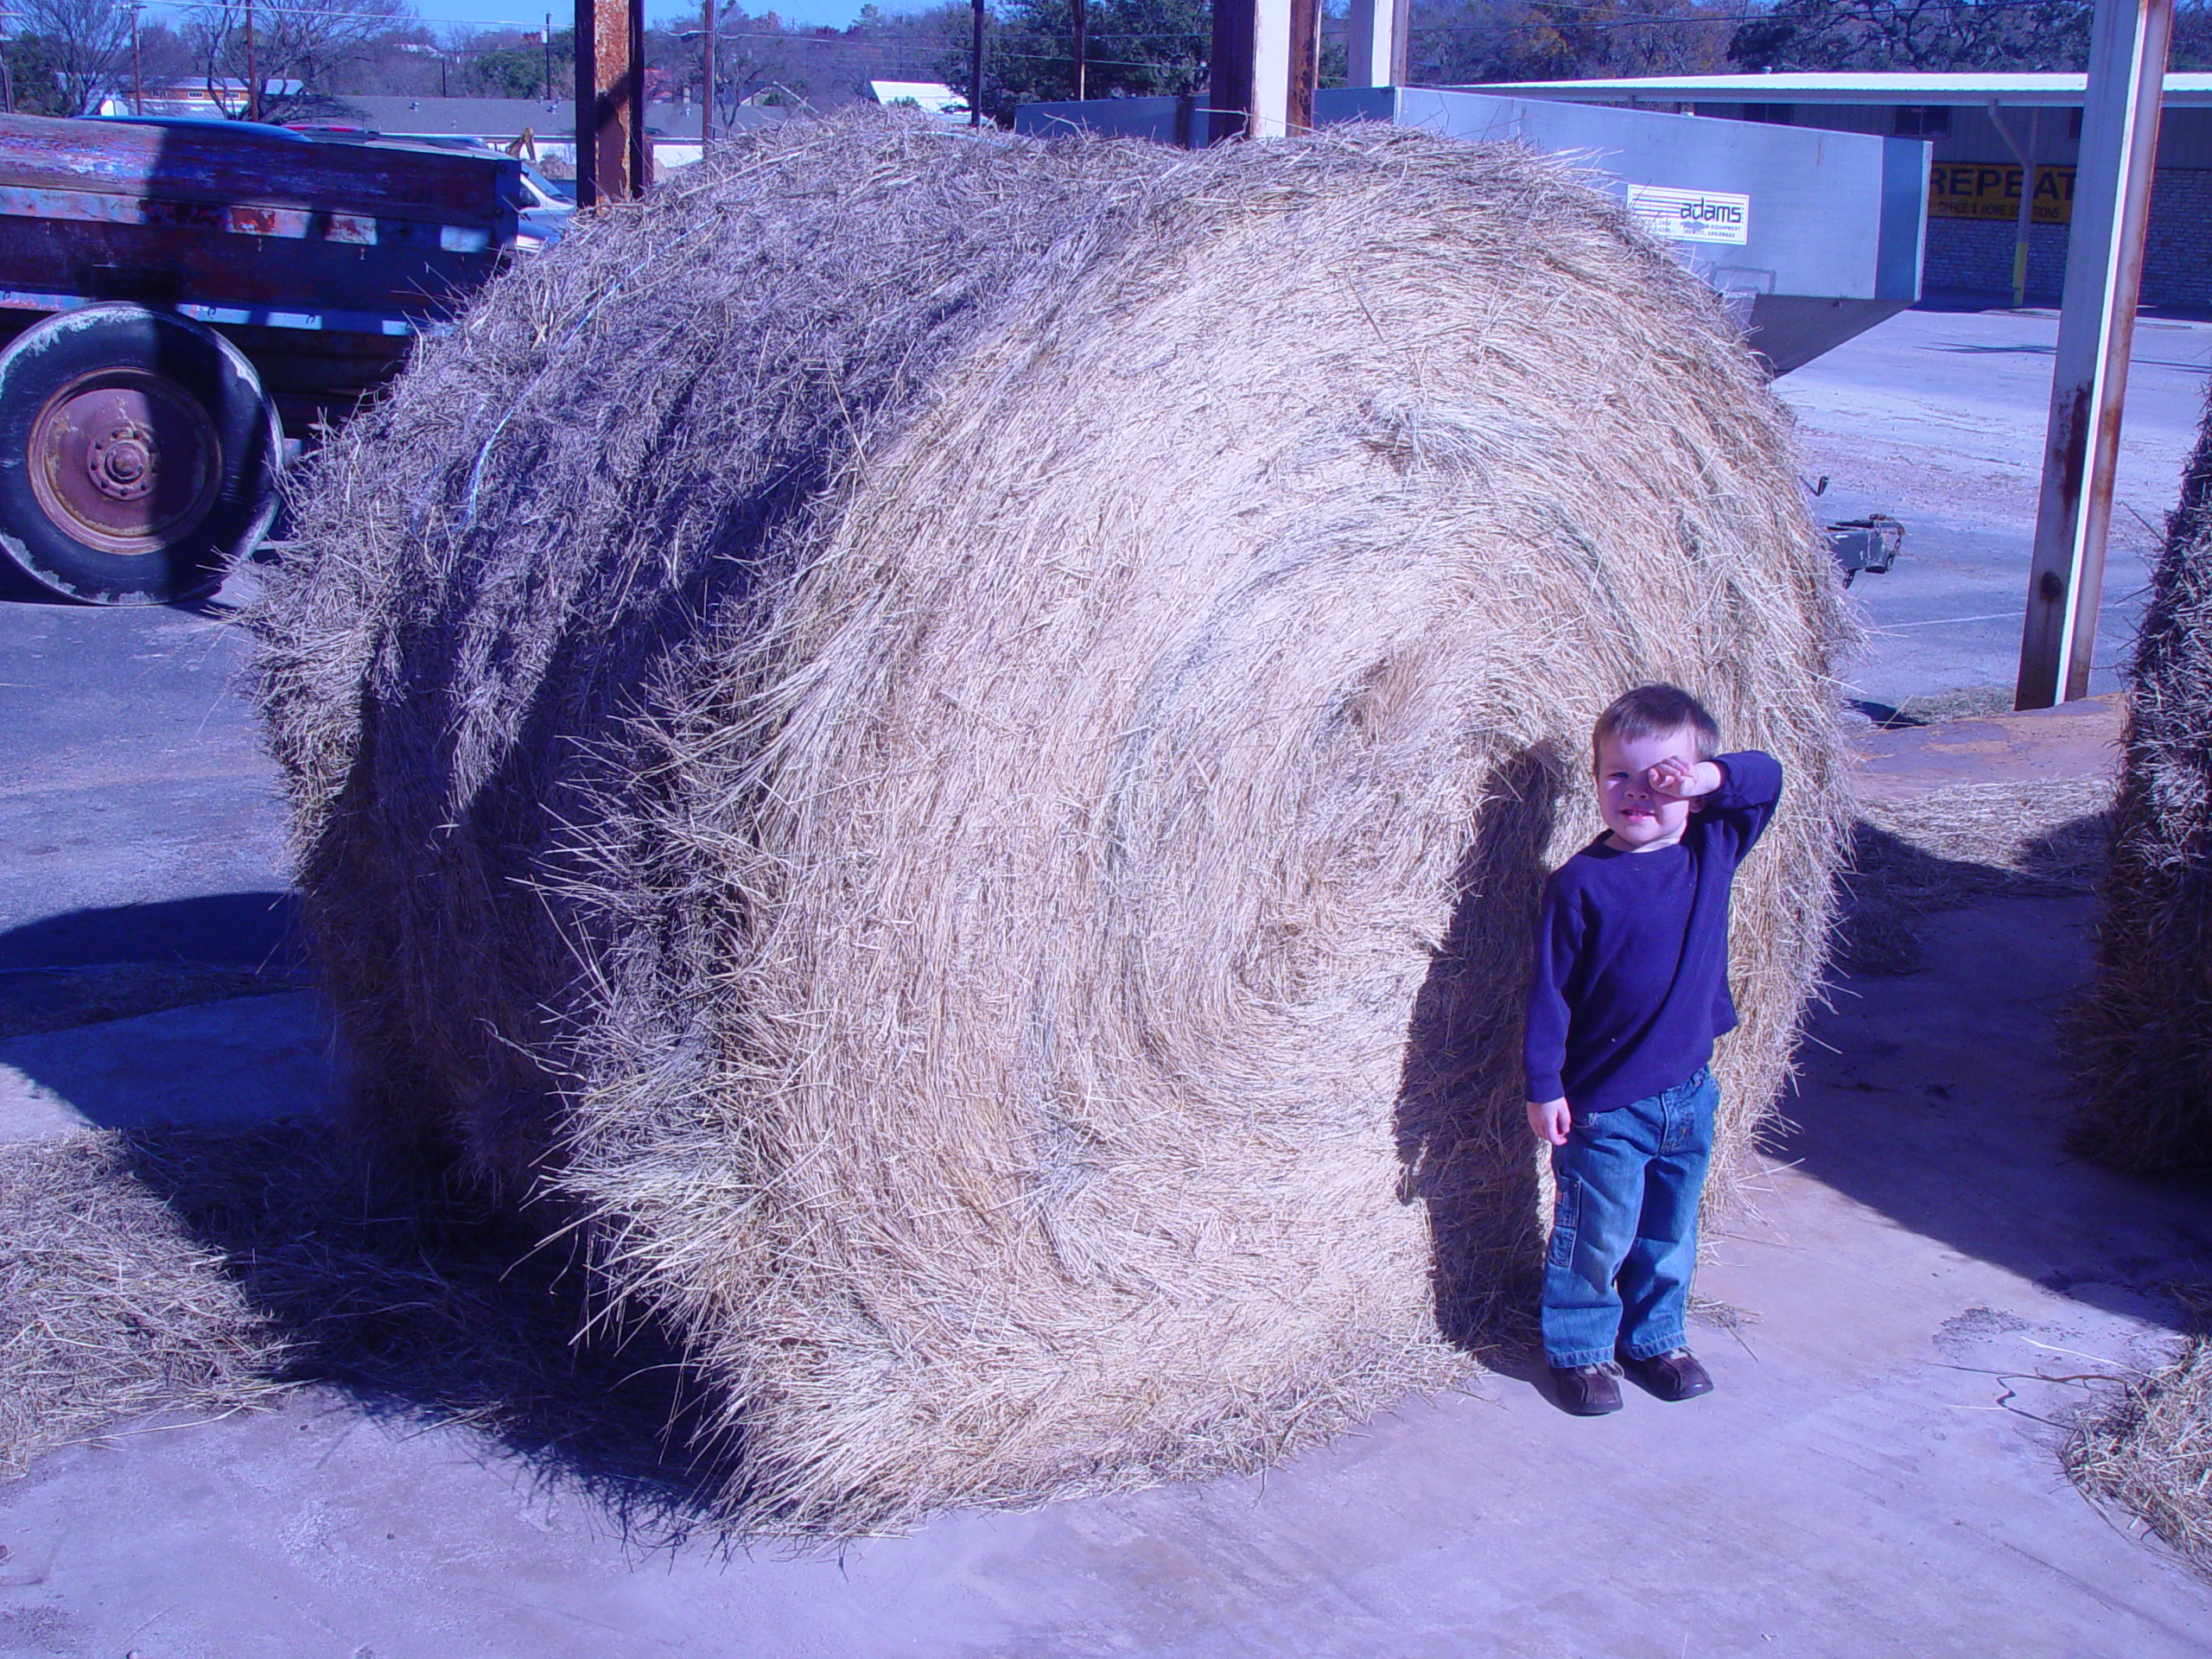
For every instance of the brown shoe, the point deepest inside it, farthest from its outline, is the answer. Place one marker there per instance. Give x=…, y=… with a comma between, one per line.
x=1587, y=1391
x=1674, y=1376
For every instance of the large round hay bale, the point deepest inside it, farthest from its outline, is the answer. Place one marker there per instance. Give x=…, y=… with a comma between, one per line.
x=2143, y=1035
x=954, y=742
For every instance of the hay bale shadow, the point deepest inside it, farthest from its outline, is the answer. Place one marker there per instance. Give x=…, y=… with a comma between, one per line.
x=1918, y=860
x=1463, y=1138
x=429, y=1300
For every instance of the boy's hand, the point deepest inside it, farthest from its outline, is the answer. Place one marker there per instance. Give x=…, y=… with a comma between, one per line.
x=1685, y=781
x=1550, y=1120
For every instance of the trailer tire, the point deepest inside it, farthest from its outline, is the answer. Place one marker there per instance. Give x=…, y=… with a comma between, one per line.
x=138, y=455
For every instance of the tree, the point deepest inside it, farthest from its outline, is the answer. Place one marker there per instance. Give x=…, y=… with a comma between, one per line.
x=69, y=54
x=1922, y=34
x=1132, y=49
x=1456, y=43
x=308, y=43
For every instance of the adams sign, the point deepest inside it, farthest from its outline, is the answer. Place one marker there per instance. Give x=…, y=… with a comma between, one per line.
x=1690, y=215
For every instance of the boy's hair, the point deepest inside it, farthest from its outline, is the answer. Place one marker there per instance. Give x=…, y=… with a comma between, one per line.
x=1655, y=711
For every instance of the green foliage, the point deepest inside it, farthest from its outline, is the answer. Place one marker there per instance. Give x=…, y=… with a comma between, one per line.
x=1453, y=42
x=1132, y=49
x=35, y=76
x=1916, y=34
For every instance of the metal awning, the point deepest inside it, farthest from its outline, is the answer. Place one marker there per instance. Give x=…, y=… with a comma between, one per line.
x=2060, y=91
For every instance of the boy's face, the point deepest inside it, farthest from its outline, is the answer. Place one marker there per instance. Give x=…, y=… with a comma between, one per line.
x=1640, y=818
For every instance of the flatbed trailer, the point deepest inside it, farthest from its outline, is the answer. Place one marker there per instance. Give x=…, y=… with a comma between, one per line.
x=181, y=303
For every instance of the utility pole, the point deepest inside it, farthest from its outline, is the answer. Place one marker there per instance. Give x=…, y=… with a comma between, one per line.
x=707, y=110
x=613, y=154
x=2088, y=382
x=1080, y=91
x=253, y=78
x=545, y=43
x=1265, y=65
x=976, y=71
x=137, y=80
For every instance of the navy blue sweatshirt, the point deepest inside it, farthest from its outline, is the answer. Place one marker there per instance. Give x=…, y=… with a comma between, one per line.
x=1629, y=986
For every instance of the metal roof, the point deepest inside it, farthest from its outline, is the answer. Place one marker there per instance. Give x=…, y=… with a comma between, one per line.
x=2182, y=91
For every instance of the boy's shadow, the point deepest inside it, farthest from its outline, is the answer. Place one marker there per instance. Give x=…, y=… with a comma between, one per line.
x=1464, y=1145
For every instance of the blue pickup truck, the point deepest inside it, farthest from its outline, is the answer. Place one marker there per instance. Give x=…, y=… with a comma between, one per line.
x=181, y=302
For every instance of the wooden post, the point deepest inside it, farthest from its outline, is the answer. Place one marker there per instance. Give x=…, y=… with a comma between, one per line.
x=2088, y=382
x=613, y=154
x=1266, y=64
x=252, y=75
x=707, y=109
x=1376, y=43
x=976, y=70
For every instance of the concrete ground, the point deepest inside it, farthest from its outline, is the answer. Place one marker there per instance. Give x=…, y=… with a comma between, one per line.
x=1927, y=1282
x=1937, y=419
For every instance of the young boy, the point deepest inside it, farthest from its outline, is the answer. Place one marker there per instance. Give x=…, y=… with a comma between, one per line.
x=1629, y=991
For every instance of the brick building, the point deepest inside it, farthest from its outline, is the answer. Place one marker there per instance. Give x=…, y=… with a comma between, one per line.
x=1979, y=128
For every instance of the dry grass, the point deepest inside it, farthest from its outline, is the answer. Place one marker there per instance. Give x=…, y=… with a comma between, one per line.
x=206, y=1272
x=2143, y=1040
x=2149, y=1451
x=955, y=741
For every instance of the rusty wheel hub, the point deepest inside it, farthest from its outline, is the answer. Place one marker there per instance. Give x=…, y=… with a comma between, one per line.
x=124, y=460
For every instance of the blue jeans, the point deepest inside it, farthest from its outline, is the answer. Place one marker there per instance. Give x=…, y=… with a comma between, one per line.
x=1617, y=1277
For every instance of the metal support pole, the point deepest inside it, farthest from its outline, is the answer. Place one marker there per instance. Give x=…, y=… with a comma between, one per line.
x=2089, y=383
x=1082, y=79
x=2025, y=154
x=1376, y=42
x=707, y=109
x=976, y=71
x=613, y=154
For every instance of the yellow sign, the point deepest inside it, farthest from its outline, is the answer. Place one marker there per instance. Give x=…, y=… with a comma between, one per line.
x=1992, y=190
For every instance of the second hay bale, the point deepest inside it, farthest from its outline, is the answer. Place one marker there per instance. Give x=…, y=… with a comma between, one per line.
x=953, y=743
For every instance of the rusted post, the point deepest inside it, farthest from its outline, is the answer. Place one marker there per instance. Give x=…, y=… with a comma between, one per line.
x=2088, y=382
x=1302, y=75
x=613, y=154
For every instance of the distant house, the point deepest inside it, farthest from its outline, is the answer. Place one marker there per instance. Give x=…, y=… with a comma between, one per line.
x=540, y=129
x=932, y=97
x=222, y=98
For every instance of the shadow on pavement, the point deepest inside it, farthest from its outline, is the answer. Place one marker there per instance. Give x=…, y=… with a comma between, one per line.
x=1934, y=1087
x=256, y=931
x=426, y=1301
